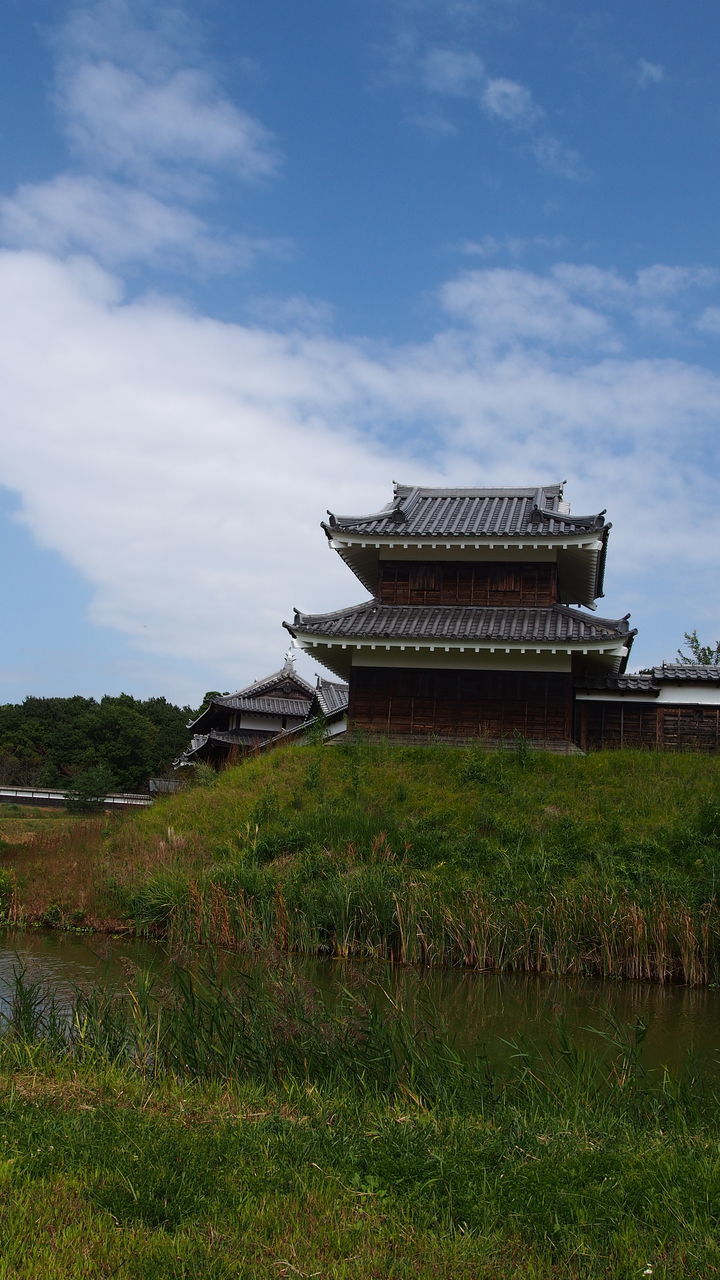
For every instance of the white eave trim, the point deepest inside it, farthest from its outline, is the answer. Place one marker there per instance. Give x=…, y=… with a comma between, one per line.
x=439, y=644
x=507, y=543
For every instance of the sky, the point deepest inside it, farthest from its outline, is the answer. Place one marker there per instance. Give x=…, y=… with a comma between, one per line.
x=261, y=261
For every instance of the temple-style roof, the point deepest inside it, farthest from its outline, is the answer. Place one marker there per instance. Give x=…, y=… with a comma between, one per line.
x=463, y=522
x=373, y=620
x=458, y=513
x=282, y=693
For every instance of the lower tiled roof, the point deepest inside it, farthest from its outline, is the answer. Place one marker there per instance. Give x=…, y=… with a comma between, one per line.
x=267, y=705
x=331, y=696
x=651, y=681
x=687, y=672
x=374, y=620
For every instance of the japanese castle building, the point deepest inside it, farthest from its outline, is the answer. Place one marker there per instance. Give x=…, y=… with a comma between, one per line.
x=480, y=619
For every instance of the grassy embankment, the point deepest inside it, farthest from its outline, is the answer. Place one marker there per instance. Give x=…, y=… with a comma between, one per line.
x=607, y=864
x=249, y=1134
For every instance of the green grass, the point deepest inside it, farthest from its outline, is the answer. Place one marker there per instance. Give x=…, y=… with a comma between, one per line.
x=602, y=865
x=120, y=1156
x=605, y=865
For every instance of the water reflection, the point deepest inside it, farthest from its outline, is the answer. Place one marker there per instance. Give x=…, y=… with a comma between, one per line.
x=485, y=1011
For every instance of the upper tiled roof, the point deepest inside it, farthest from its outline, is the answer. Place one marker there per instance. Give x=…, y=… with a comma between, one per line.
x=374, y=620
x=287, y=675
x=456, y=513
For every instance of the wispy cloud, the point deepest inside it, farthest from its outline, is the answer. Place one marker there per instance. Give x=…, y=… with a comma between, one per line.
x=166, y=133
x=448, y=73
x=121, y=224
x=150, y=133
x=647, y=73
x=508, y=246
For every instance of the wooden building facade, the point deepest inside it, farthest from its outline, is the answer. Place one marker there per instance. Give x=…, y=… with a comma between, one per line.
x=675, y=707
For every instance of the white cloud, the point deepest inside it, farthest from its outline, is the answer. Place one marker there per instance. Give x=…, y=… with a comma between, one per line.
x=458, y=74
x=153, y=135
x=709, y=321
x=160, y=131
x=462, y=74
x=647, y=73
x=510, y=101
x=512, y=305
x=182, y=465
x=119, y=224
x=508, y=246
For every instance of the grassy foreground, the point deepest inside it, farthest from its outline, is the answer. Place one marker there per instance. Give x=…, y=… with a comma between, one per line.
x=606, y=865
x=243, y=1134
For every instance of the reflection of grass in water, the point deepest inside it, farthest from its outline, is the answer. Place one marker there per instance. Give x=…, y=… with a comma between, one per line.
x=243, y=1129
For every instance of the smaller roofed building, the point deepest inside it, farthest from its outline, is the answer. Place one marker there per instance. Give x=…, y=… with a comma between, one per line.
x=673, y=707
x=234, y=724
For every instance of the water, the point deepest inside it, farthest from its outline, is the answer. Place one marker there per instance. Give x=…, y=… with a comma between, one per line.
x=483, y=1010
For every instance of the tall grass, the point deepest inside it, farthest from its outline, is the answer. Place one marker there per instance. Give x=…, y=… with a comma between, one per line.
x=277, y=1028
x=371, y=912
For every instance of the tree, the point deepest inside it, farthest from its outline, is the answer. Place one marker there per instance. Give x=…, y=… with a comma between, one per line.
x=707, y=655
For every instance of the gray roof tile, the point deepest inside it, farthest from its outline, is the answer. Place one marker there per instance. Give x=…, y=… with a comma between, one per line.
x=469, y=512
x=267, y=706
x=650, y=682
x=687, y=673
x=457, y=622
x=331, y=696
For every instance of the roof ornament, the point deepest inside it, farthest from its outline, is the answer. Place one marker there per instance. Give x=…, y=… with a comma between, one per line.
x=332, y=521
x=289, y=663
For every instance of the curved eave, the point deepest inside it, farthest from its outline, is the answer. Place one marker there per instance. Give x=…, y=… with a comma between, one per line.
x=336, y=653
x=204, y=717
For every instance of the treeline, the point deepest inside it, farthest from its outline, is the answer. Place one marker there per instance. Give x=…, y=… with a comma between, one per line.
x=122, y=741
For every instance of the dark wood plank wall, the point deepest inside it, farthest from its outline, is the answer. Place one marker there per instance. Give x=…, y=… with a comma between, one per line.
x=402, y=582
x=603, y=725
x=462, y=703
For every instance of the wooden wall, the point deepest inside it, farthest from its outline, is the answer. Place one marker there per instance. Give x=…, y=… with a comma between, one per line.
x=403, y=582
x=635, y=724
x=492, y=704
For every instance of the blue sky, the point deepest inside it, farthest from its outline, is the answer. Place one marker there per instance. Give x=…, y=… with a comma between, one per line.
x=260, y=260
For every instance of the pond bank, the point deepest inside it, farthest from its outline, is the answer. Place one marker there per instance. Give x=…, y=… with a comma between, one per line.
x=602, y=866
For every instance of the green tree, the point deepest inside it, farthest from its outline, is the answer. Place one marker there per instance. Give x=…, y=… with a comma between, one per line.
x=88, y=791
x=707, y=655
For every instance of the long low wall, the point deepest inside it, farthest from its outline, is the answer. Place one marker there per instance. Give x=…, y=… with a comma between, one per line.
x=48, y=796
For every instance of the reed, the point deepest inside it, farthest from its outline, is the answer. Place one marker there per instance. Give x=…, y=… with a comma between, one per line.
x=382, y=911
